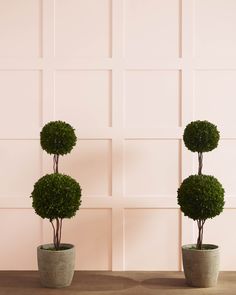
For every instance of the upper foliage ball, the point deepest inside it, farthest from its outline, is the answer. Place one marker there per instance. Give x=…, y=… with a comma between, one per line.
x=201, y=197
x=201, y=136
x=57, y=137
x=56, y=196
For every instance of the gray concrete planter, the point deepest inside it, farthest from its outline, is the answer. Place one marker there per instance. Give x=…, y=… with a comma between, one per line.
x=201, y=267
x=56, y=268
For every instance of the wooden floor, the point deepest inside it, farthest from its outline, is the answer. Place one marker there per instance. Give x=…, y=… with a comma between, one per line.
x=138, y=283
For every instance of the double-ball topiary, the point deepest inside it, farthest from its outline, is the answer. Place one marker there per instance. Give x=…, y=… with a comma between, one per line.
x=56, y=196
x=201, y=196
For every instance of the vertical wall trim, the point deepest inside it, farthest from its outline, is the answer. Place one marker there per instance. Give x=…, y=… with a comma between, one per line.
x=48, y=54
x=187, y=97
x=117, y=142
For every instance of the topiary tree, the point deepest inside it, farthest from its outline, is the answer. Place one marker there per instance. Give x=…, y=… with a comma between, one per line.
x=201, y=196
x=56, y=196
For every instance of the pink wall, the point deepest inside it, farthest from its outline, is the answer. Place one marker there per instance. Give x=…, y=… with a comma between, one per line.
x=128, y=75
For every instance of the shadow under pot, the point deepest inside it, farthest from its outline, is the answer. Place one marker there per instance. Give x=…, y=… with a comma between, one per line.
x=201, y=267
x=56, y=268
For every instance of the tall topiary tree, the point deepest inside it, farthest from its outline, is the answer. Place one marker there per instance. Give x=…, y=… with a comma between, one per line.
x=56, y=196
x=201, y=196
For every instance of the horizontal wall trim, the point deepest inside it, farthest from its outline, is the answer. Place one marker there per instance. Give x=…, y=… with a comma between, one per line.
x=227, y=133
x=142, y=63
x=99, y=202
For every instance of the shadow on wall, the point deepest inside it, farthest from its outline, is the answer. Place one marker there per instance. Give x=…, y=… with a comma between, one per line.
x=90, y=229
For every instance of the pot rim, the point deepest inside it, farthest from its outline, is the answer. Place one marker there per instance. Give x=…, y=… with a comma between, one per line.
x=41, y=247
x=189, y=247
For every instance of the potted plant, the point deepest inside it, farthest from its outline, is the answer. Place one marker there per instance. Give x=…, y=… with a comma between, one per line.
x=56, y=196
x=201, y=197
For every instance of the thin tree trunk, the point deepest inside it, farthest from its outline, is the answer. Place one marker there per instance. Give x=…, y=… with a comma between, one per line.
x=200, y=163
x=55, y=163
x=60, y=228
x=57, y=234
x=58, y=225
x=54, y=233
x=200, y=224
x=57, y=229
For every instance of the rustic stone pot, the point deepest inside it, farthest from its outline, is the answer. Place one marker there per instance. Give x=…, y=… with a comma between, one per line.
x=56, y=268
x=201, y=267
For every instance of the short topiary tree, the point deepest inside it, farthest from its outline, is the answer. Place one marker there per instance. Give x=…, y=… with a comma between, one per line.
x=201, y=196
x=57, y=196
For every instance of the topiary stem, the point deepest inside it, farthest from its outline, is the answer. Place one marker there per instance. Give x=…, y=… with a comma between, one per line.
x=200, y=224
x=54, y=233
x=55, y=163
x=57, y=234
x=57, y=229
x=60, y=229
x=200, y=163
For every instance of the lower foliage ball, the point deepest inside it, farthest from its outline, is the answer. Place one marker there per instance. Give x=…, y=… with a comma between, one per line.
x=201, y=197
x=56, y=196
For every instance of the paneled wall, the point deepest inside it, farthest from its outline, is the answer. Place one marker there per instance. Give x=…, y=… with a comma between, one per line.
x=128, y=75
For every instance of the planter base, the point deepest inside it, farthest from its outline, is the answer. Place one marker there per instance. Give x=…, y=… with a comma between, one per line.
x=201, y=267
x=56, y=268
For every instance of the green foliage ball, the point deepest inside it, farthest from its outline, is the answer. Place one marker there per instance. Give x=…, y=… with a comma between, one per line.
x=201, y=197
x=56, y=196
x=201, y=136
x=58, y=138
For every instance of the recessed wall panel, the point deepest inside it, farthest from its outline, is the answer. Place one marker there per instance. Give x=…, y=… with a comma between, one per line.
x=216, y=90
x=151, y=28
x=20, y=237
x=83, y=98
x=215, y=26
x=83, y=28
x=152, y=99
x=151, y=167
x=151, y=243
x=22, y=95
x=21, y=28
x=20, y=167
